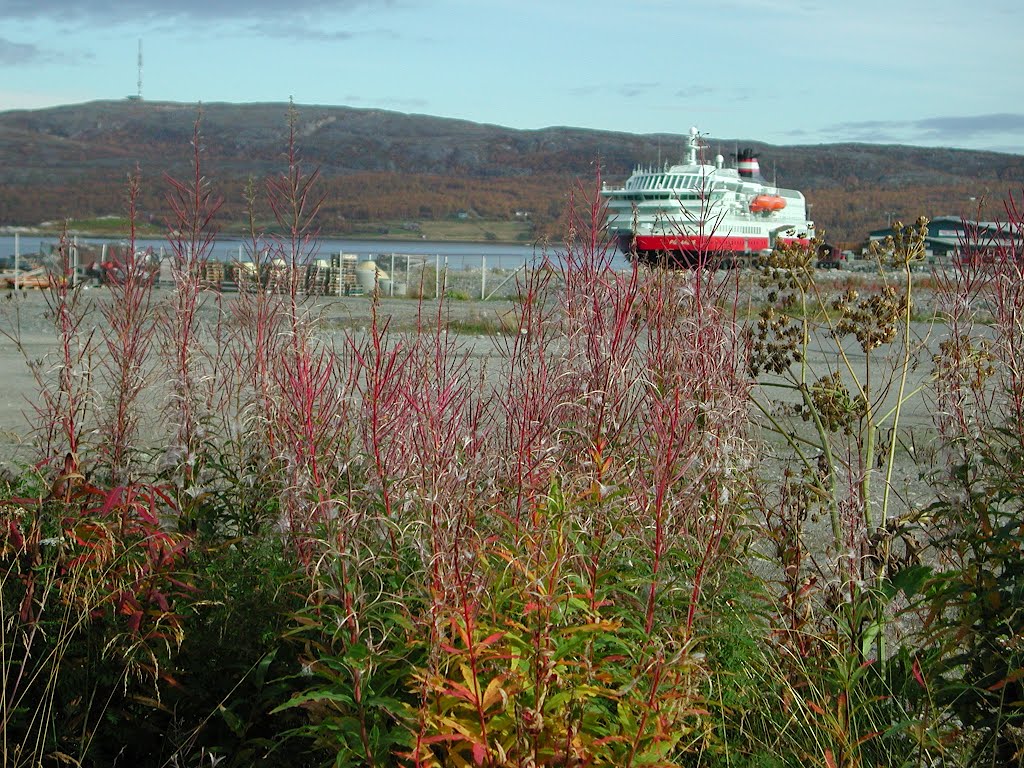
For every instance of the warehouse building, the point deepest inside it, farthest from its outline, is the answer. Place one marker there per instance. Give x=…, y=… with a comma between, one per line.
x=952, y=238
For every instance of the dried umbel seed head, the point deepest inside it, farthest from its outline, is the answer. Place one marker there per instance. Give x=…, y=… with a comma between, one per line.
x=905, y=246
x=872, y=320
x=965, y=364
x=775, y=342
x=803, y=497
x=844, y=302
x=834, y=405
x=789, y=267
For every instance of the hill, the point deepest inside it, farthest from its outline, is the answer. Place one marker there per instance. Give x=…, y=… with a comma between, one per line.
x=72, y=161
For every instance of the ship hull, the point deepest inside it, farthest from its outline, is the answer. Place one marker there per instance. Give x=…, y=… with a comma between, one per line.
x=697, y=213
x=684, y=251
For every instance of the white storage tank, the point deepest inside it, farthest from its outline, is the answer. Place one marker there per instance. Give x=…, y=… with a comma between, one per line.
x=370, y=276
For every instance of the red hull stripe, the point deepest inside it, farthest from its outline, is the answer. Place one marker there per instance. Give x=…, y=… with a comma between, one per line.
x=698, y=243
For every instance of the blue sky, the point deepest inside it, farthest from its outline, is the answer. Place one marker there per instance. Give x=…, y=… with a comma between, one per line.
x=937, y=73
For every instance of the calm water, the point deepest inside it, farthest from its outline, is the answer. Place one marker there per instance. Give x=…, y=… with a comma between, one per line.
x=456, y=255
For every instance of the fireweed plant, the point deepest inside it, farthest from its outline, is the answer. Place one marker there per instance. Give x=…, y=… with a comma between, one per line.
x=973, y=598
x=192, y=229
x=127, y=332
x=89, y=574
x=64, y=378
x=665, y=523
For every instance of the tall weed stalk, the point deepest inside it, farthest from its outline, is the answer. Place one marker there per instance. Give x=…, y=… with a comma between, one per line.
x=192, y=229
x=973, y=597
x=128, y=333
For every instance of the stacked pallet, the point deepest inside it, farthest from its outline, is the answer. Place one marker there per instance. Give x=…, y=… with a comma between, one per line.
x=338, y=275
x=344, y=277
x=278, y=279
x=211, y=275
x=246, y=277
x=319, y=279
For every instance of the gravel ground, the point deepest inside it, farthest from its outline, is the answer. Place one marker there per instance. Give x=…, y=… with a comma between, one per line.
x=27, y=333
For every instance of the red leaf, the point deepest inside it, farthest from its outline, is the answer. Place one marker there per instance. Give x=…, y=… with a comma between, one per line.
x=492, y=639
x=442, y=737
x=161, y=601
x=479, y=754
x=135, y=621
x=1013, y=677
x=916, y=669
x=15, y=534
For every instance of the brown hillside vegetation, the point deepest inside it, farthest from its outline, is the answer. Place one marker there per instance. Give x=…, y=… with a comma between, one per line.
x=73, y=161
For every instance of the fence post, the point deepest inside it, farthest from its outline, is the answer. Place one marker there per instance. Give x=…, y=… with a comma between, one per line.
x=483, y=277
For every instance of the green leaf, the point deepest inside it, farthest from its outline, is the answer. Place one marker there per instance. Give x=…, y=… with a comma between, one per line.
x=357, y=652
x=871, y=634
x=314, y=696
x=260, y=676
x=910, y=580
x=233, y=721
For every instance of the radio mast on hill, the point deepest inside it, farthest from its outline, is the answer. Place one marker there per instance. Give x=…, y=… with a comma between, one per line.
x=139, y=96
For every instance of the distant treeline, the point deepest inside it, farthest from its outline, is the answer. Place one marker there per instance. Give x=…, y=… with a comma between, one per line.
x=845, y=214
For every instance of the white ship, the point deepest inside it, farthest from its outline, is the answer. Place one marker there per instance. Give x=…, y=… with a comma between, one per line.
x=689, y=214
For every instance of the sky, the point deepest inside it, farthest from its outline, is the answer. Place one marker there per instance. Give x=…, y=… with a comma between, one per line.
x=939, y=73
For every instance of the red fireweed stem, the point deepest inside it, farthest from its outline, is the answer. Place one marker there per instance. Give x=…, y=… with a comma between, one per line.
x=650, y=708
x=127, y=335
x=64, y=403
x=530, y=399
x=710, y=549
x=380, y=368
x=191, y=234
x=469, y=622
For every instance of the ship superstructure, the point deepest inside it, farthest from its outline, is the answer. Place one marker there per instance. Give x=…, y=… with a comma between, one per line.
x=687, y=214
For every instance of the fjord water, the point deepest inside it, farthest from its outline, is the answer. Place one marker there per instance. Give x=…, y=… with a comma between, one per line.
x=456, y=255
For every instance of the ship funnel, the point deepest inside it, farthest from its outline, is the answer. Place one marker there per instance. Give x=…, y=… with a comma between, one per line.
x=747, y=165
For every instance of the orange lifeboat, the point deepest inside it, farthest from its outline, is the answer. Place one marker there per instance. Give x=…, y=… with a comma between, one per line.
x=765, y=203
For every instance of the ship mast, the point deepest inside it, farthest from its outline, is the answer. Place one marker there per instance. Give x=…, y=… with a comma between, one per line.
x=691, y=147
